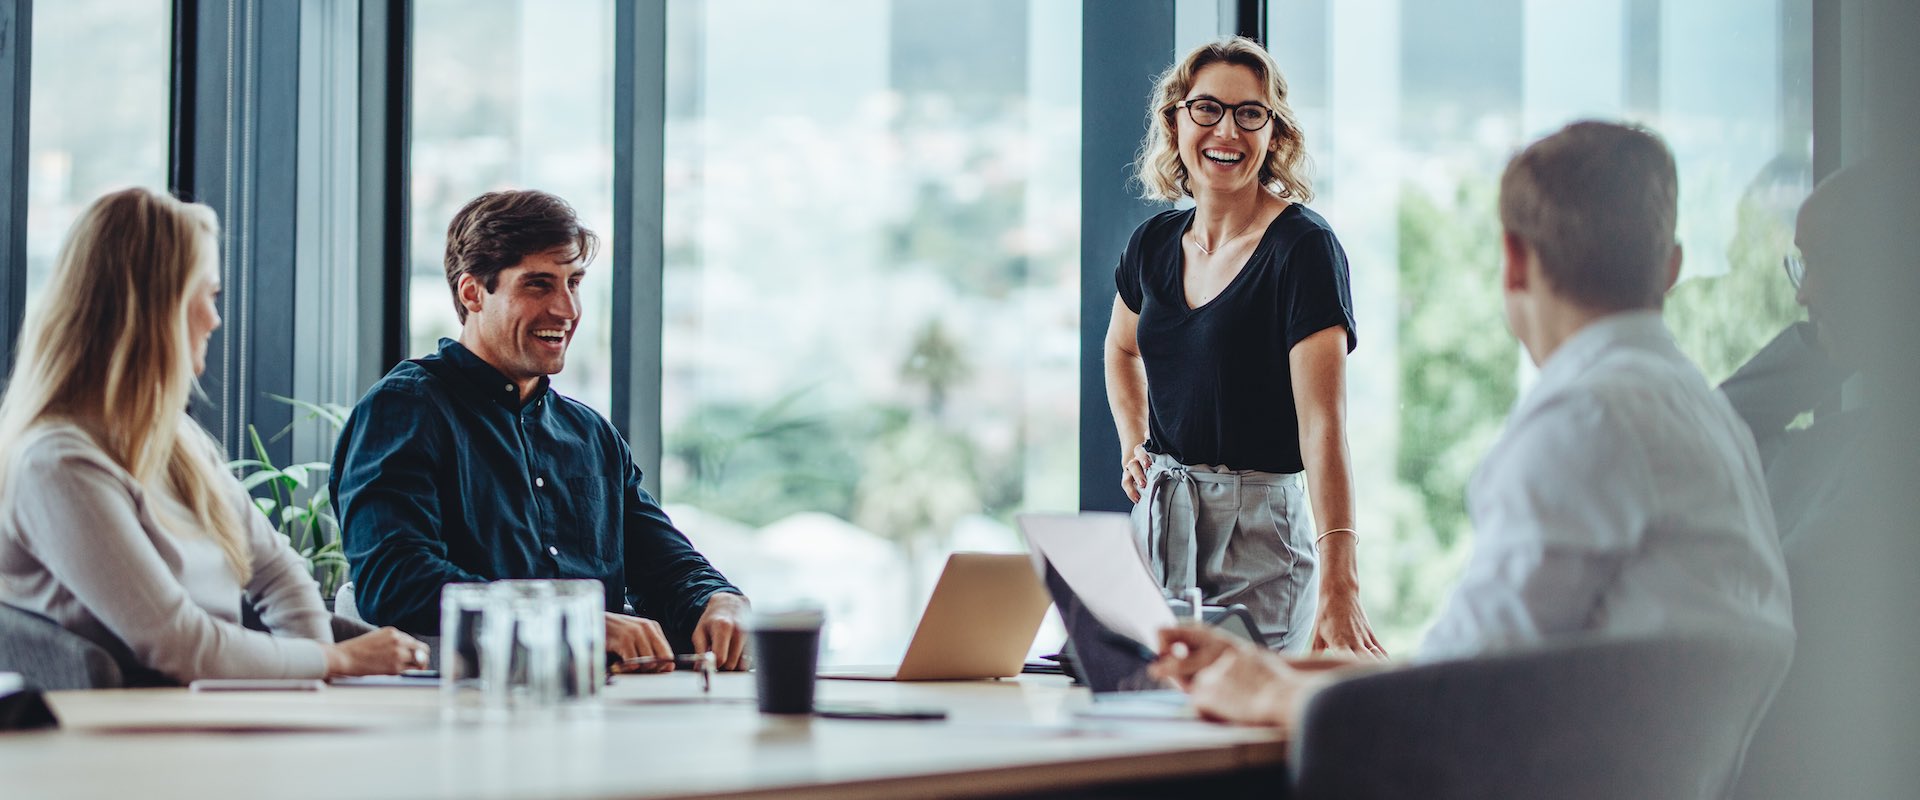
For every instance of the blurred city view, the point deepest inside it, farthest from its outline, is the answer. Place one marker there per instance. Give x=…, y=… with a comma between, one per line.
x=872, y=293
x=872, y=240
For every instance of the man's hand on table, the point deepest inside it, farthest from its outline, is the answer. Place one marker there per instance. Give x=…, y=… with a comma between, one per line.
x=634, y=637
x=722, y=629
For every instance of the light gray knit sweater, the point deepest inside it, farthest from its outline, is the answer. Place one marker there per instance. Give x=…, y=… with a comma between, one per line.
x=79, y=543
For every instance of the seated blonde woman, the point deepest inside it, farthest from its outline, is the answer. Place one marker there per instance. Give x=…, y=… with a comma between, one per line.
x=117, y=517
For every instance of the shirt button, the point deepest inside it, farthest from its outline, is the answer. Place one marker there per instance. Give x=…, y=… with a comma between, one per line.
x=540, y=481
x=553, y=551
x=509, y=387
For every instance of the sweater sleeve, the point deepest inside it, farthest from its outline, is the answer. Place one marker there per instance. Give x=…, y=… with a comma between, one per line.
x=282, y=587
x=79, y=518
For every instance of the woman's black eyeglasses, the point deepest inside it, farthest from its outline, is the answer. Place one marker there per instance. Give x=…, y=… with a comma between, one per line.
x=1208, y=113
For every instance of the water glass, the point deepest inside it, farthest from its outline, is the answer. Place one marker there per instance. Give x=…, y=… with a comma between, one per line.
x=583, y=641
x=464, y=612
x=520, y=648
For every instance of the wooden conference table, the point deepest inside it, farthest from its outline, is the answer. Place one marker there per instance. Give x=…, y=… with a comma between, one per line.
x=656, y=737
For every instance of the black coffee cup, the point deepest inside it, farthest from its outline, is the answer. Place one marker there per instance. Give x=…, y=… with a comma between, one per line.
x=786, y=653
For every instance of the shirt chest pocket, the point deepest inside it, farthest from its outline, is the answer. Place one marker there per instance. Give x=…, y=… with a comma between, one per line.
x=587, y=520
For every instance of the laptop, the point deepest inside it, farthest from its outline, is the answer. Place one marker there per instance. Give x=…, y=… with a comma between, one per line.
x=984, y=614
x=1112, y=664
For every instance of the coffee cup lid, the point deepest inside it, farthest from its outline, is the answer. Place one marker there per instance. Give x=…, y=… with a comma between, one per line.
x=787, y=619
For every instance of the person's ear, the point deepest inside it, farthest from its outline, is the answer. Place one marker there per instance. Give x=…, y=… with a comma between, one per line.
x=1515, y=254
x=1673, y=269
x=471, y=293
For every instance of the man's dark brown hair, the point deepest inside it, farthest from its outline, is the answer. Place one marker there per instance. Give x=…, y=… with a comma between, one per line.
x=1598, y=203
x=497, y=229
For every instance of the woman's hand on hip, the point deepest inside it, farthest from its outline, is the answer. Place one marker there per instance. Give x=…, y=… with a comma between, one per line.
x=1133, y=473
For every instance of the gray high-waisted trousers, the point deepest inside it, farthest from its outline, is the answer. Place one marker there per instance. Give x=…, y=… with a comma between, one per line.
x=1241, y=536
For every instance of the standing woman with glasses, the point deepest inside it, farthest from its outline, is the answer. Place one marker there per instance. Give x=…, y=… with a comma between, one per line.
x=117, y=519
x=1226, y=360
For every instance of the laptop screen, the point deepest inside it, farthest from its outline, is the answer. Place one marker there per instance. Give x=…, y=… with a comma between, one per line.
x=1105, y=661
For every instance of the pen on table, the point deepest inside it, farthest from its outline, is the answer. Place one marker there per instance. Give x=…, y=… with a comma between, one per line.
x=682, y=661
x=705, y=663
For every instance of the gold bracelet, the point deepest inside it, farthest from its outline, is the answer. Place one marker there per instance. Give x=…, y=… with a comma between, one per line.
x=1316, y=541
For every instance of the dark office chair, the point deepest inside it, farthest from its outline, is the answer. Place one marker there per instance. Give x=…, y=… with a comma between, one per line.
x=50, y=657
x=1646, y=718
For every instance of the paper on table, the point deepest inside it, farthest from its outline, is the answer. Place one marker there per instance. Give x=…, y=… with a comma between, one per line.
x=1094, y=553
x=405, y=681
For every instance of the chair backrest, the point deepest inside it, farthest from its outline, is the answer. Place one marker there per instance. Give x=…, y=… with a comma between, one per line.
x=1655, y=717
x=51, y=657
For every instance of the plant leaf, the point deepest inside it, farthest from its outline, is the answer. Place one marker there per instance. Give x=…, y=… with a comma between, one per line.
x=333, y=414
x=252, y=481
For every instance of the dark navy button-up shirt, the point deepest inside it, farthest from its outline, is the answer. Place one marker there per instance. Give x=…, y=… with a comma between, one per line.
x=442, y=475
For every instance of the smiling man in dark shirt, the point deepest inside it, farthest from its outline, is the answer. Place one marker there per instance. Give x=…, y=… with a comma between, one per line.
x=466, y=466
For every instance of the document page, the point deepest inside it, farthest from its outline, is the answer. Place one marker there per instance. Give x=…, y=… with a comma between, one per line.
x=1094, y=553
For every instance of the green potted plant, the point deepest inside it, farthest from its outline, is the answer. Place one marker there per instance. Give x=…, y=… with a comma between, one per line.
x=295, y=497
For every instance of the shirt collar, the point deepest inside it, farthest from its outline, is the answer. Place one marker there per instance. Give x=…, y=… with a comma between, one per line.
x=1644, y=329
x=485, y=380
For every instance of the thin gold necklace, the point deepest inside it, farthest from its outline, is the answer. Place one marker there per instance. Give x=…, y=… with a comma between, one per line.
x=1216, y=245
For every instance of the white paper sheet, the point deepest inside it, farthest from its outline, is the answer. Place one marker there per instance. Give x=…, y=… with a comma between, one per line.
x=1094, y=552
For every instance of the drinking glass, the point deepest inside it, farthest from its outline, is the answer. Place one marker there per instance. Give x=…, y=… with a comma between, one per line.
x=464, y=610
x=582, y=641
x=521, y=648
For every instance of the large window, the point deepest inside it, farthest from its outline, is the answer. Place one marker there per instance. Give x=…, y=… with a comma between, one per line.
x=99, y=113
x=513, y=94
x=871, y=292
x=1411, y=108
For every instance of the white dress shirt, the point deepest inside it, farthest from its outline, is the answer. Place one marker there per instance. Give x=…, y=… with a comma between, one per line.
x=1624, y=497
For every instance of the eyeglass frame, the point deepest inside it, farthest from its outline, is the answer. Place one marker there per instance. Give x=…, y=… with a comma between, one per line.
x=1795, y=266
x=1227, y=111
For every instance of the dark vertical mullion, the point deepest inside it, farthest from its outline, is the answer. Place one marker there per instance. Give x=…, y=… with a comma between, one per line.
x=1643, y=58
x=236, y=148
x=1250, y=20
x=16, y=84
x=639, y=153
x=271, y=182
x=1124, y=44
x=1828, y=119
x=386, y=48
x=197, y=171
x=181, y=112
x=1796, y=73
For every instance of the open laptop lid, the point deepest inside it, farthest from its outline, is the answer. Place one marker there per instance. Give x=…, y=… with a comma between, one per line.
x=1089, y=564
x=980, y=621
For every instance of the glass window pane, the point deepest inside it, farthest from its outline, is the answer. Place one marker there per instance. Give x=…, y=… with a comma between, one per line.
x=1412, y=108
x=513, y=94
x=99, y=113
x=871, y=293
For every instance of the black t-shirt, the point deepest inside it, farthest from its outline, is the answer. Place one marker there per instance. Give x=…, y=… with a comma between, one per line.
x=1219, y=390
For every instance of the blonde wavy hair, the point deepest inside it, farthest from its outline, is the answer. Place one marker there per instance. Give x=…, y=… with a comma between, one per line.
x=1158, y=167
x=107, y=348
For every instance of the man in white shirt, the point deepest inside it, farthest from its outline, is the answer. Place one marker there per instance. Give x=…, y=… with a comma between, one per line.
x=1625, y=497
